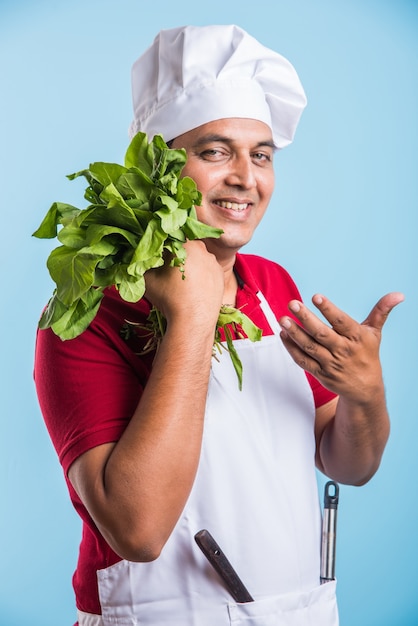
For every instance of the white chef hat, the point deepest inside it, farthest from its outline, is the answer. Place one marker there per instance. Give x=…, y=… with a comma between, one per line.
x=197, y=74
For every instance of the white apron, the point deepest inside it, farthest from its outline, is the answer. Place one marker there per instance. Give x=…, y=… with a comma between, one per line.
x=256, y=492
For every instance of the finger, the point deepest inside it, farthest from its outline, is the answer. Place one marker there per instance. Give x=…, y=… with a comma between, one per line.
x=340, y=321
x=380, y=312
x=314, y=341
x=307, y=360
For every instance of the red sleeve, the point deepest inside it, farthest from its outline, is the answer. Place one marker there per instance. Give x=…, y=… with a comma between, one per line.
x=89, y=387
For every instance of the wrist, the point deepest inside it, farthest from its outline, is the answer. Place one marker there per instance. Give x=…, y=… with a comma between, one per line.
x=366, y=399
x=186, y=331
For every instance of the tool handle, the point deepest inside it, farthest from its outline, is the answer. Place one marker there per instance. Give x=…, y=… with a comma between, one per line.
x=329, y=532
x=220, y=563
x=331, y=495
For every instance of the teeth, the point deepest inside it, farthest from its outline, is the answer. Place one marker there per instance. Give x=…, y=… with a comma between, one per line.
x=233, y=205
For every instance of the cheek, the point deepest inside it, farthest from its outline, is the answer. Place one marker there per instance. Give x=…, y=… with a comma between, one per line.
x=200, y=178
x=206, y=182
x=267, y=186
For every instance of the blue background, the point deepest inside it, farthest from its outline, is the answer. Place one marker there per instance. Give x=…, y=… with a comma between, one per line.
x=343, y=221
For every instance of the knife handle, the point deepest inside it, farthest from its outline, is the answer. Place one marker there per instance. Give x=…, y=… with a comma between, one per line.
x=220, y=563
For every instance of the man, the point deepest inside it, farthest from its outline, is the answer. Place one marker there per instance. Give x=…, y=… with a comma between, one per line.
x=157, y=447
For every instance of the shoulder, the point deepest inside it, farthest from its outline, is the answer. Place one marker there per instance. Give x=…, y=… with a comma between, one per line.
x=89, y=386
x=261, y=270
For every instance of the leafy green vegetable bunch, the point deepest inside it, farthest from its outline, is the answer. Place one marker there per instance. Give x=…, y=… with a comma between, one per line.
x=138, y=218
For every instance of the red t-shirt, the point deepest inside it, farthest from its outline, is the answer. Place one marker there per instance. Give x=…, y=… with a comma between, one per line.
x=89, y=387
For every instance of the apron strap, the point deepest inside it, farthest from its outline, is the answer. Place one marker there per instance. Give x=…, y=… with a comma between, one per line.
x=270, y=317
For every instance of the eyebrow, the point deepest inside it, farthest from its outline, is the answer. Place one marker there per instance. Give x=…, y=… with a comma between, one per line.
x=213, y=137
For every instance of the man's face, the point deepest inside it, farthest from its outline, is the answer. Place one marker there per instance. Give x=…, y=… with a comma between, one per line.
x=231, y=161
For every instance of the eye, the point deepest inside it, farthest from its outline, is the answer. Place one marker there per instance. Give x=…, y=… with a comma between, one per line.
x=213, y=154
x=209, y=153
x=262, y=157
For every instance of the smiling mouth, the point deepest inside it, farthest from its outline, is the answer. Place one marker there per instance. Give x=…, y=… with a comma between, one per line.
x=233, y=206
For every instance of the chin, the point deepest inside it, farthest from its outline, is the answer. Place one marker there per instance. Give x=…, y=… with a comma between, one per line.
x=225, y=246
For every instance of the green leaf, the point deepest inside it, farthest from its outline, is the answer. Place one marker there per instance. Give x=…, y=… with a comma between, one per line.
x=106, y=173
x=148, y=253
x=235, y=318
x=93, y=195
x=52, y=312
x=72, y=271
x=123, y=217
x=178, y=252
x=140, y=154
x=96, y=187
x=231, y=315
x=55, y=216
x=236, y=361
x=110, y=272
x=132, y=290
x=135, y=184
x=78, y=316
x=73, y=237
x=250, y=329
x=97, y=232
x=168, y=162
x=193, y=229
x=192, y=213
x=172, y=221
x=168, y=203
x=112, y=197
x=177, y=235
x=169, y=183
x=187, y=194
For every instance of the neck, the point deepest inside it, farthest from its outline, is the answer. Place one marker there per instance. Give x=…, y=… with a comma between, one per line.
x=226, y=259
x=231, y=283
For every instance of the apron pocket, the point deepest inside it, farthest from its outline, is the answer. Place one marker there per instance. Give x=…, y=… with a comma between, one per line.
x=116, y=584
x=313, y=608
x=88, y=619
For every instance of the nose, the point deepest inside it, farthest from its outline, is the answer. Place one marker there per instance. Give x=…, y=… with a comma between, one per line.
x=241, y=173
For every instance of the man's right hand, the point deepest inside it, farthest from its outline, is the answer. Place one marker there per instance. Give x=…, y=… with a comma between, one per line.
x=195, y=295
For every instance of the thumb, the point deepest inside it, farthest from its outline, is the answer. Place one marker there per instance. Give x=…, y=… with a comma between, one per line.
x=380, y=312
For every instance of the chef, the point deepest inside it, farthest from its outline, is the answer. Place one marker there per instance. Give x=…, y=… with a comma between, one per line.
x=156, y=447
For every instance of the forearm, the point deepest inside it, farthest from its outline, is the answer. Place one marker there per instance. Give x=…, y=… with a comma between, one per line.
x=136, y=489
x=353, y=441
x=136, y=493
x=350, y=434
